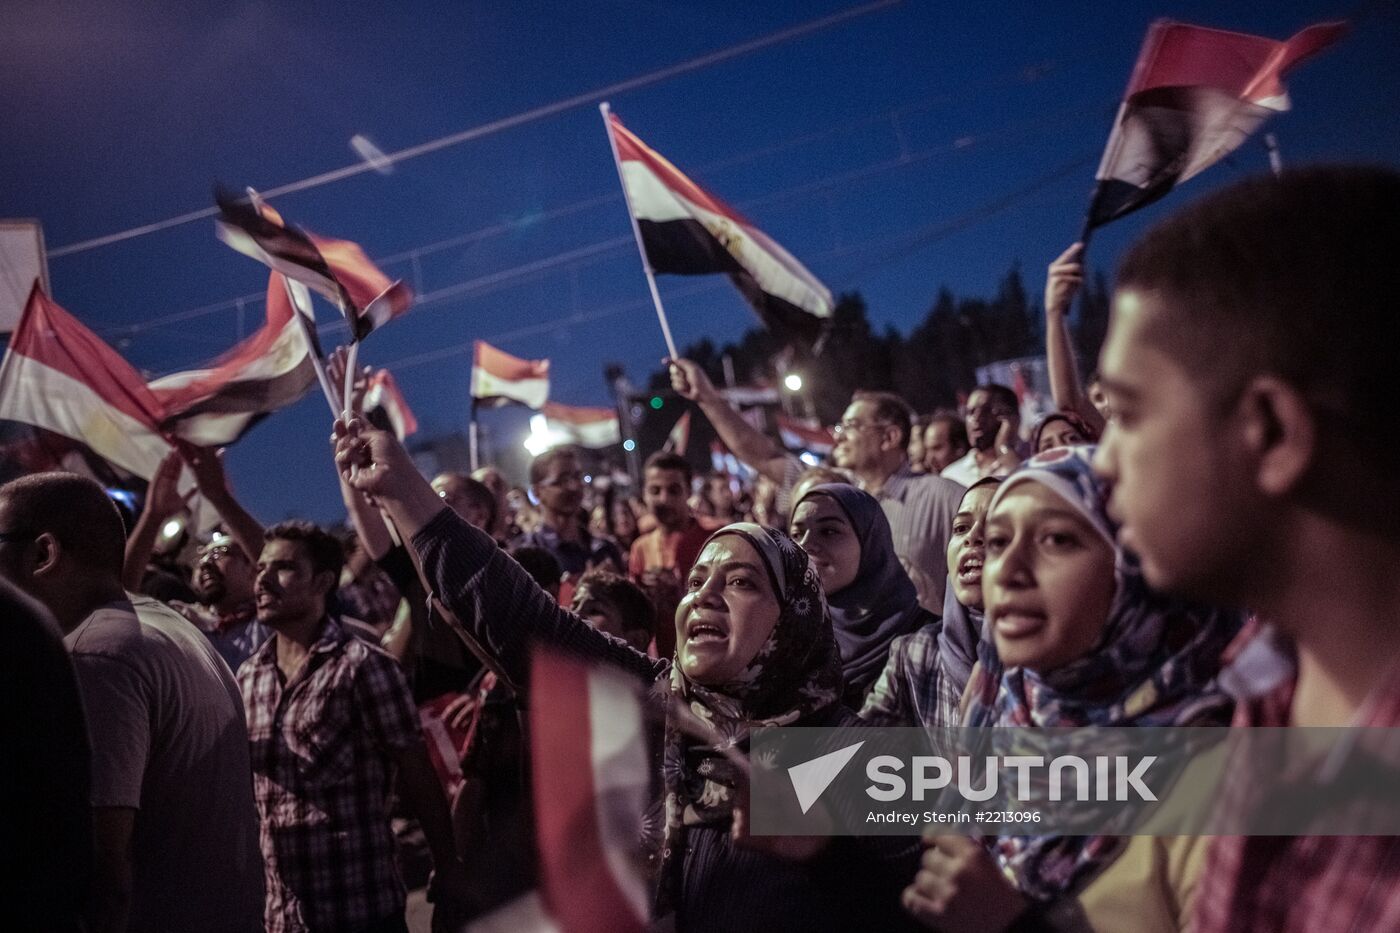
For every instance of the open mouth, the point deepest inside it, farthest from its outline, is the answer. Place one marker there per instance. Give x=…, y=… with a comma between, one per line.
x=1019, y=623
x=701, y=633
x=970, y=570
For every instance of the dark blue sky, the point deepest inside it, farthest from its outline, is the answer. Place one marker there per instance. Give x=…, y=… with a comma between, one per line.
x=849, y=146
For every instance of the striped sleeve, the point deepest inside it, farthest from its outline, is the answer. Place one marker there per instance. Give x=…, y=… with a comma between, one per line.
x=504, y=608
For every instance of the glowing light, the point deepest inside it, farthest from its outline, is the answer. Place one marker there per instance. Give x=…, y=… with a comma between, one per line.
x=656, y=402
x=629, y=445
x=541, y=438
x=172, y=528
x=793, y=382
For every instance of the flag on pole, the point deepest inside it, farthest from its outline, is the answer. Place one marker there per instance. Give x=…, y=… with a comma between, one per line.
x=688, y=231
x=385, y=406
x=93, y=412
x=498, y=378
x=1195, y=96
x=592, y=783
x=339, y=270
x=799, y=436
x=269, y=370
x=585, y=427
x=679, y=438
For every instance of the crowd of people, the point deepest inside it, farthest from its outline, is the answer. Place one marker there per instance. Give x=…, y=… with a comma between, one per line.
x=1206, y=532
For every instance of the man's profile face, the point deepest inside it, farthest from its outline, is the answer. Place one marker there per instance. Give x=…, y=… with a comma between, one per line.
x=666, y=493
x=939, y=450
x=985, y=413
x=286, y=588
x=561, y=489
x=1180, y=489
x=14, y=542
x=452, y=490
x=860, y=437
x=223, y=572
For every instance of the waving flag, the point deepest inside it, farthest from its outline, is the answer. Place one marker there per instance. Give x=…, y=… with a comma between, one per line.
x=498, y=378
x=269, y=370
x=679, y=438
x=592, y=784
x=386, y=407
x=586, y=427
x=1195, y=96
x=688, y=231
x=336, y=269
x=799, y=436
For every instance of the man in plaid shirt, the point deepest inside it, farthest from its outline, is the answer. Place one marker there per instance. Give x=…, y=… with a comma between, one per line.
x=1268, y=476
x=331, y=719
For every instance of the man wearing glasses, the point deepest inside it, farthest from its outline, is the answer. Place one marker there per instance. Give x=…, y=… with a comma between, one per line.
x=872, y=441
x=556, y=479
x=225, y=613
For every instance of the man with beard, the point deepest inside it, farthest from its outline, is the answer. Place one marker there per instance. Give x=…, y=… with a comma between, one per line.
x=993, y=430
x=662, y=557
x=225, y=613
x=332, y=724
x=872, y=442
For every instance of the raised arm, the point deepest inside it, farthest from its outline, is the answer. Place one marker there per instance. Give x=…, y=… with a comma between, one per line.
x=163, y=500
x=748, y=443
x=500, y=604
x=364, y=515
x=1062, y=282
x=208, y=466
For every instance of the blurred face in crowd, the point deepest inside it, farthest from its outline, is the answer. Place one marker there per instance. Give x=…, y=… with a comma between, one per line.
x=916, y=449
x=286, y=589
x=1175, y=460
x=666, y=494
x=861, y=438
x=1048, y=580
x=561, y=489
x=223, y=573
x=721, y=496
x=967, y=547
x=624, y=519
x=452, y=490
x=985, y=413
x=822, y=529
x=939, y=449
x=604, y=615
x=727, y=613
x=1058, y=432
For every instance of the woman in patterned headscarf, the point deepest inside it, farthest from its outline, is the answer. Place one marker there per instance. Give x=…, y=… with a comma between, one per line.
x=754, y=647
x=1078, y=639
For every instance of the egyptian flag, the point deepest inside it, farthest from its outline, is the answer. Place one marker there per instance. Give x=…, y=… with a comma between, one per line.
x=385, y=406
x=592, y=783
x=585, y=427
x=70, y=402
x=799, y=436
x=498, y=378
x=336, y=269
x=679, y=438
x=269, y=370
x=688, y=231
x=1195, y=96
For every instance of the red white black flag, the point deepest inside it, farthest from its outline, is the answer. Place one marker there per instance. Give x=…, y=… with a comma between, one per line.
x=498, y=377
x=385, y=407
x=336, y=269
x=584, y=426
x=269, y=370
x=1195, y=96
x=688, y=231
x=798, y=435
x=679, y=438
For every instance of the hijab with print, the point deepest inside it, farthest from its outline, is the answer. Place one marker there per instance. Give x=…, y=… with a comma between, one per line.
x=797, y=672
x=1068, y=417
x=881, y=603
x=1156, y=664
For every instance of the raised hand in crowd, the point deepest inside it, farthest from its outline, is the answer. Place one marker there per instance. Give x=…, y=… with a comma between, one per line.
x=335, y=371
x=163, y=502
x=1063, y=281
x=959, y=888
x=207, y=464
x=749, y=444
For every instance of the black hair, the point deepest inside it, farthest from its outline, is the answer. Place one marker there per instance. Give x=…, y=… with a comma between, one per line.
x=75, y=510
x=666, y=460
x=542, y=566
x=540, y=466
x=891, y=408
x=322, y=548
x=632, y=604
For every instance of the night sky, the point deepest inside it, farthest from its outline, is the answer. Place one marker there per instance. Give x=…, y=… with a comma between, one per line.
x=855, y=146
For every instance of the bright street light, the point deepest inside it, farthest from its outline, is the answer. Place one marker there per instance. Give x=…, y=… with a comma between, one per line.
x=793, y=382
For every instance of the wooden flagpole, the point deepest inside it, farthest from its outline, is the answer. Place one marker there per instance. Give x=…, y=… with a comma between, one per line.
x=637, y=234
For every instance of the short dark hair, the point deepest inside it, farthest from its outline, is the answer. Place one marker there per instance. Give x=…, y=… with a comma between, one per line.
x=542, y=566
x=998, y=392
x=632, y=604
x=889, y=407
x=540, y=466
x=1297, y=276
x=957, y=428
x=322, y=548
x=477, y=493
x=666, y=460
x=75, y=510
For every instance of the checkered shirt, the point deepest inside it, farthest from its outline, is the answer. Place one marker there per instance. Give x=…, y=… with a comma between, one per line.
x=322, y=750
x=914, y=689
x=1293, y=884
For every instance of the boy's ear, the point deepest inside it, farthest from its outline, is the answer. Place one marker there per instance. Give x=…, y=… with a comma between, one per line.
x=1280, y=431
